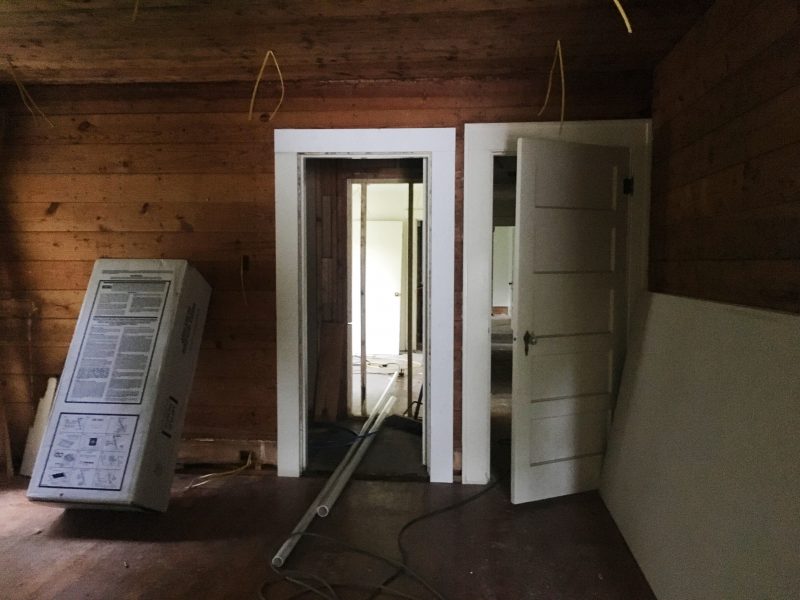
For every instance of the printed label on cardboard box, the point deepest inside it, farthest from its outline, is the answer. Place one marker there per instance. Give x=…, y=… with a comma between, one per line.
x=118, y=343
x=89, y=451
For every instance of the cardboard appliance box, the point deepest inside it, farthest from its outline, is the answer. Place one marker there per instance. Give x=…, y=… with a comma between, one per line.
x=113, y=434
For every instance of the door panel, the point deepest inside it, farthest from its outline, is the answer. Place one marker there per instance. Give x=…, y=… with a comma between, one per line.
x=573, y=240
x=571, y=344
x=567, y=436
x=569, y=296
x=572, y=303
x=561, y=407
x=560, y=375
x=563, y=189
x=563, y=477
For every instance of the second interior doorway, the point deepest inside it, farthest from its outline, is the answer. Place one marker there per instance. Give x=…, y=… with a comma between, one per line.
x=366, y=295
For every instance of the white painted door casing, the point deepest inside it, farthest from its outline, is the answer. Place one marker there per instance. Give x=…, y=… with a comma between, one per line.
x=437, y=147
x=482, y=142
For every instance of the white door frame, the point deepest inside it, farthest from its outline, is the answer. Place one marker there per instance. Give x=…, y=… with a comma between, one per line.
x=291, y=147
x=482, y=142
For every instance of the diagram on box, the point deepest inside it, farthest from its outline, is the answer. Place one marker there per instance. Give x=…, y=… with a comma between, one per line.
x=89, y=451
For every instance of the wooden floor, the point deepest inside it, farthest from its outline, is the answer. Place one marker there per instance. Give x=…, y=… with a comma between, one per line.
x=217, y=541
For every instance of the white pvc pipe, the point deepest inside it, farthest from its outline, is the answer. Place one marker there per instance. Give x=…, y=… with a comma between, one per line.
x=332, y=494
x=286, y=548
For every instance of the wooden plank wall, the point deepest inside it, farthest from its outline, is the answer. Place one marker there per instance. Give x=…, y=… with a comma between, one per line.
x=177, y=171
x=726, y=206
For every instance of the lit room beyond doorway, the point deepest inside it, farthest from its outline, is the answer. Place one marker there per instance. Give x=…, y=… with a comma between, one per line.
x=383, y=329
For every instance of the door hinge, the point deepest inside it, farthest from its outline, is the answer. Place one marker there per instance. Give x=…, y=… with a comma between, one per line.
x=627, y=186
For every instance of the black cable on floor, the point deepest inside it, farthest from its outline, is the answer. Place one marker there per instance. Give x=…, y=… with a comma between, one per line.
x=404, y=553
x=326, y=590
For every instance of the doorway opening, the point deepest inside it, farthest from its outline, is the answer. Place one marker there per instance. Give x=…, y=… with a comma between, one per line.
x=365, y=281
x=437, y=148
x=504, y=206
x=482, y=144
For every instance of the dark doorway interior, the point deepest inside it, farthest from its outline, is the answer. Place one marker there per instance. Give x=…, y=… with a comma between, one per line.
x=335, y=353
x=503, y=221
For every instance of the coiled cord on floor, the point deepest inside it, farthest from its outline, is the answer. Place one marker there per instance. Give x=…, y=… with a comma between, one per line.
x=311, y=583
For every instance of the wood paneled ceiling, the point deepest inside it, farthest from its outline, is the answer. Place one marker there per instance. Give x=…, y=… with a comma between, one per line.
x=97, y=41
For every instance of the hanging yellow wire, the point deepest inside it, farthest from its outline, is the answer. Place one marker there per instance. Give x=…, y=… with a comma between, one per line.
x=204, y=479
x=242, y=261
x=563, y=85
x=27, y=99
x=258, y=80
x=624, y=15
x=558, y=59
x=549, y=82
x=135, y=10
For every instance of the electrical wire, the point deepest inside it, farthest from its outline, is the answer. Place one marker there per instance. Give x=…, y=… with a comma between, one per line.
x=242, y=262
x=624, y=15
x=327, y=590
x=204, y=479
x=258, y=80
x=558, y=58
x=27, y=99
x=404, y=553
x=400, y=566
x=343, y=586
x=296, y=577
x=407, y=411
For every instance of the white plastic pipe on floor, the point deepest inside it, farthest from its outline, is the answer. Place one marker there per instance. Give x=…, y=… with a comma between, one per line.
x=332, y=494
x=286, y=549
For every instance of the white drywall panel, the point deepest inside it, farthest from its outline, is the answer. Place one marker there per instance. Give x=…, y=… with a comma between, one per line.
x=702, y=473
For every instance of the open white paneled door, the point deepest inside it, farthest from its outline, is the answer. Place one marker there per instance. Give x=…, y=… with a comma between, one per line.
x=569, y=316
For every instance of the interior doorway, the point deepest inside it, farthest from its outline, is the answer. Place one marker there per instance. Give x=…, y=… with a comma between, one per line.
x=504, y=198
x=363, y=315
x=482, y=143
x=437, y=146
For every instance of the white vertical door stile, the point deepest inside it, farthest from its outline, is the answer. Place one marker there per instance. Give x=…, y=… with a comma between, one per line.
x=568, y=322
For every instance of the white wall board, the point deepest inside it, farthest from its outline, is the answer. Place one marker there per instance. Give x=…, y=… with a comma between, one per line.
x=702, y=473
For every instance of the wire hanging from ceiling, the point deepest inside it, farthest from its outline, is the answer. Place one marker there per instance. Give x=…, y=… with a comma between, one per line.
x=558, y=58
x=624, y=15
x=27, y=99
x=267, y=56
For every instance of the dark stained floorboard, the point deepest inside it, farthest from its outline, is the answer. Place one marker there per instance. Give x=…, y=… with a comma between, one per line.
x=216, y=542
